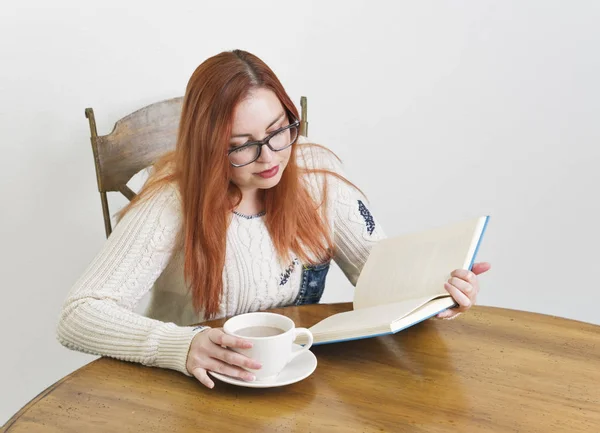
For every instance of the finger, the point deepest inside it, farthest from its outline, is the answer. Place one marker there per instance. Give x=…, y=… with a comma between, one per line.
x=480, y=268
x=464, y=286
x=219, y=337
x=463, y=300
x=200, y=374
x=443, y=314
x=447, y=314
x=230, y=370
x=464, y=274
x=233, y=358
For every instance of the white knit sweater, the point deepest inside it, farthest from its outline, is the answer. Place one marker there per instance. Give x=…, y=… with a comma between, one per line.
x=140, y=255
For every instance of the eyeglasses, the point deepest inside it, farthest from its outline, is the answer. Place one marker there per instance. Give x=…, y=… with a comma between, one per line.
x=277, y=141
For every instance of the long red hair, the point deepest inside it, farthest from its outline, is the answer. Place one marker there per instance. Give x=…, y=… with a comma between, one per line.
x=200, y=168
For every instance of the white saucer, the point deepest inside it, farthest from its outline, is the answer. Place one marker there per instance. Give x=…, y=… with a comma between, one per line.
x=300, y=368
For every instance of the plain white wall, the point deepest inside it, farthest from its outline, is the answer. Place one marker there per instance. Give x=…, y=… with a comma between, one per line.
x=441, y=111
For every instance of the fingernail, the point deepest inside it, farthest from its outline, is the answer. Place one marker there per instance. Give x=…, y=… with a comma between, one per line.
x=250, y=377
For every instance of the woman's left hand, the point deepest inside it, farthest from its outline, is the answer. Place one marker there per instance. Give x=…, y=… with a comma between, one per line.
x=463, y=287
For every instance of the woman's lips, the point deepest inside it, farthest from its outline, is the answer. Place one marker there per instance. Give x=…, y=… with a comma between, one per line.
x=269, y=173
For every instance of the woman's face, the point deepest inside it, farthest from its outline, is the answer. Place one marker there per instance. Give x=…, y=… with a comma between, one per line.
x=253, y=119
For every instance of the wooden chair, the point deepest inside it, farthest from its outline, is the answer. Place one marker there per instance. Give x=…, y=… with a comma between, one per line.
x=136, y=142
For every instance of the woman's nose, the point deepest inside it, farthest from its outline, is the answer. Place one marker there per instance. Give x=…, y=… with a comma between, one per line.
x=266, y=154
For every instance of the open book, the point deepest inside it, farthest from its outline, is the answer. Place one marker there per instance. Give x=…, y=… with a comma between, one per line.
x=402, y=282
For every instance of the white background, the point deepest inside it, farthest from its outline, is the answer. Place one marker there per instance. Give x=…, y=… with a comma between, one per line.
x=440, y=110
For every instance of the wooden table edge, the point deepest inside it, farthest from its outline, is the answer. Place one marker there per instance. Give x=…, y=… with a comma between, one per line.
x=5, y=428
x=41, y=396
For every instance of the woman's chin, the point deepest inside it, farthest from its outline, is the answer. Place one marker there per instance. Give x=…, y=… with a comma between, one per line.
x=269, y=182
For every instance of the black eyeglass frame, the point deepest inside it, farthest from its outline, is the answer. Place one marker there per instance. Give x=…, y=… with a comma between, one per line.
x=265, y=142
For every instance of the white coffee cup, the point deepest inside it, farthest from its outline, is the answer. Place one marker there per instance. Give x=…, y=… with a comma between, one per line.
x=272, y=337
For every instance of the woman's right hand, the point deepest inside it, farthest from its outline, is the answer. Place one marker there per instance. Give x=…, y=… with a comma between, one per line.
x=207, y=354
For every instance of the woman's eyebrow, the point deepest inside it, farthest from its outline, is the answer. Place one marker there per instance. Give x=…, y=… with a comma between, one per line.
x=271, y=124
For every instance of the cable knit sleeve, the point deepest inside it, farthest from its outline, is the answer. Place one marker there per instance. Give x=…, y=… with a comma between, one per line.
x=355, y=229
x=97, y=316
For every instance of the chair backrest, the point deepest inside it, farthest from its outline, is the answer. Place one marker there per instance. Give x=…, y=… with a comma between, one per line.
x=136, y=142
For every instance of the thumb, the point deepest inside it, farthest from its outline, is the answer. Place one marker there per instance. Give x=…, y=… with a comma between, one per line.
x=480, y=268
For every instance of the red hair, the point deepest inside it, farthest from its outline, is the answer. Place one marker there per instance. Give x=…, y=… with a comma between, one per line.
x=200, y=168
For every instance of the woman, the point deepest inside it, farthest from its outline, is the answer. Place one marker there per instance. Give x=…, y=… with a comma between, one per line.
x=242, y=216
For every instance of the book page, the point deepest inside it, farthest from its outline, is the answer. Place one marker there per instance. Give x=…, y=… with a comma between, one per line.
x=425, y=311
x=374, y=320
x=416, y=265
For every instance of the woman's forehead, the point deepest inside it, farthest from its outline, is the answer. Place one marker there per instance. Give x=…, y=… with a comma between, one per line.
x=256, y=112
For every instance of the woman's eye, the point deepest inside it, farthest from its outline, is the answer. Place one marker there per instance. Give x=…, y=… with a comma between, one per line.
x=276, y=128
x=237, y=146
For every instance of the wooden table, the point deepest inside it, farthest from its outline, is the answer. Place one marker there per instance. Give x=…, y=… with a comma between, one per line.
x=491, y=370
